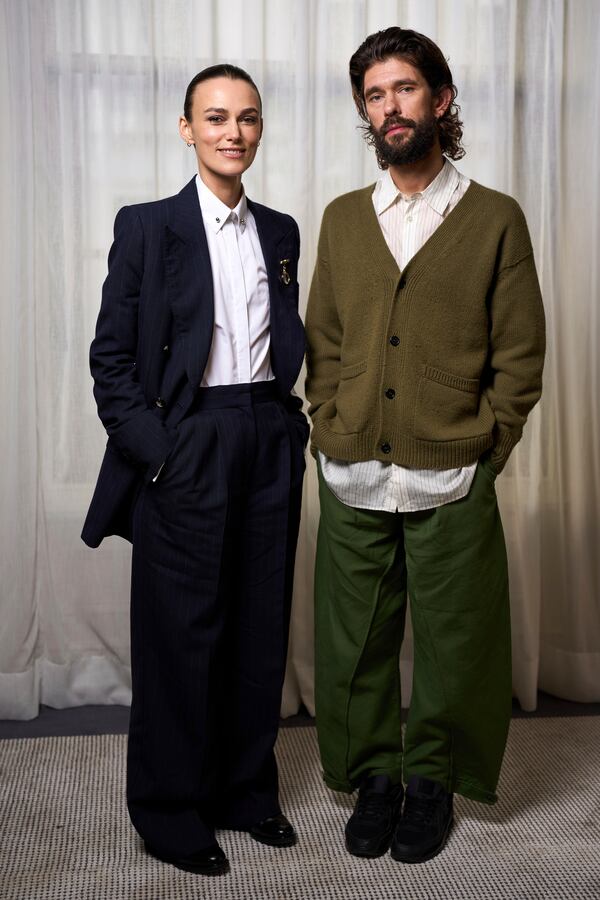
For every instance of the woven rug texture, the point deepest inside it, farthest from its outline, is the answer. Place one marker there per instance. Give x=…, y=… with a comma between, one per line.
x=65, y=834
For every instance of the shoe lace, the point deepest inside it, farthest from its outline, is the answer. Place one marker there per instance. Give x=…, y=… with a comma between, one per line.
x=371, y=805
x=419, y=812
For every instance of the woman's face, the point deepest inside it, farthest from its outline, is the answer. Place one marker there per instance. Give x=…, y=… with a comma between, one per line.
x=225, y=127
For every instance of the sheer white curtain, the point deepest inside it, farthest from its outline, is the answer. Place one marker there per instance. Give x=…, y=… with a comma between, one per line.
x=90, y=92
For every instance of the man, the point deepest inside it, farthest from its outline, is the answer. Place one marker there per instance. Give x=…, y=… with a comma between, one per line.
x=426, y=339
x=197, y=349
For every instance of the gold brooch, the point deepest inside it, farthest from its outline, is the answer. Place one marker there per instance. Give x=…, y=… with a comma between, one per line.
x=284, y=275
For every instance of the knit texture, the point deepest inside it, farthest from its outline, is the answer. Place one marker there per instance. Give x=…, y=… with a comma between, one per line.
x=432, y=366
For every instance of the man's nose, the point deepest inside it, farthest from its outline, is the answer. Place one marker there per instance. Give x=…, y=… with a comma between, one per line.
x=391, y=104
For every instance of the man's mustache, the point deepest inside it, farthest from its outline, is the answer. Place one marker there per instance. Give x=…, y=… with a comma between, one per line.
x=394, y=121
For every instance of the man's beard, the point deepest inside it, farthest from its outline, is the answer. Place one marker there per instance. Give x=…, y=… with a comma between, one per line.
x=410, y=148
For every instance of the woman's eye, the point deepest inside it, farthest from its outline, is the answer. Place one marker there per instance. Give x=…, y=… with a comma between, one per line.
x=215, y=119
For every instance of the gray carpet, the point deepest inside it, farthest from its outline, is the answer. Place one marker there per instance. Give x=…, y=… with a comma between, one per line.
x=65, y=833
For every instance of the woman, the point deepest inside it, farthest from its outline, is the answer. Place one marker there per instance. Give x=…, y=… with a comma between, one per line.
x=197, y=349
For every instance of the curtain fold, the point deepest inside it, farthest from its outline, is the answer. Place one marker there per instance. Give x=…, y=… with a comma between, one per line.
x=90, y=94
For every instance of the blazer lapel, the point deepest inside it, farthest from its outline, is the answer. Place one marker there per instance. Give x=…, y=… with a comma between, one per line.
x=189, y=279
x=280, y=251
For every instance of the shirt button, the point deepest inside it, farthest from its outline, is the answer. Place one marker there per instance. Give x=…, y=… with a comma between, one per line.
x=385, y=448
x=394, y=340
x=409, y=218
x=390, y=393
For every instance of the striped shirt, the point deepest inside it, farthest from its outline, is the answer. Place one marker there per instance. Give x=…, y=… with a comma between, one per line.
x=407, y=222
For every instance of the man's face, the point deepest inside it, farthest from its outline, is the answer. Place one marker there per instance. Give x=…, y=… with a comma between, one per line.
x=402, y=111
x=226, y=126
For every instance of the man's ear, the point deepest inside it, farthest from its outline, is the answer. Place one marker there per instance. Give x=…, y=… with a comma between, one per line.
x=442, y=101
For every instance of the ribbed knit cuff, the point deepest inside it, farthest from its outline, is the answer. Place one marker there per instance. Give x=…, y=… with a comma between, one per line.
x=503, y=446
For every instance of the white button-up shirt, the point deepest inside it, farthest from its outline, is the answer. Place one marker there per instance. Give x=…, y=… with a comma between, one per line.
x=240, y=350
x=407, y=222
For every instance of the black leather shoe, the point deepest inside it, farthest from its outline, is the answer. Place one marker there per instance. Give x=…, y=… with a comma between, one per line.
x=370, y=828
x=275, y=831
x=425, y=822
x=210, y=861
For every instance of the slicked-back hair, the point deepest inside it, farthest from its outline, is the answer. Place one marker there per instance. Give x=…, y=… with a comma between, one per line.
x=222, y=70
x=421, y=52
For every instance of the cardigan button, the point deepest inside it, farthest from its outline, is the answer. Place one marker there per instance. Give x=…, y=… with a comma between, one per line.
x=385, y=448
x=390, y=393
x=394, y=340
x=402, y=283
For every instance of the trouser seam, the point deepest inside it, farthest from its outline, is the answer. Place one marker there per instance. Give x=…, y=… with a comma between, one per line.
x=358, y=661
x=449, y=775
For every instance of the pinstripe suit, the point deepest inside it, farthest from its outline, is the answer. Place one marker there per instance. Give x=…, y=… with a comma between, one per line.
x=214, y=538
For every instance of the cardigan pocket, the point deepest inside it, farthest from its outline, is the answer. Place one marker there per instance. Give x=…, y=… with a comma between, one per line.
x=351, y=399
x=448, y=407
x=353, y=370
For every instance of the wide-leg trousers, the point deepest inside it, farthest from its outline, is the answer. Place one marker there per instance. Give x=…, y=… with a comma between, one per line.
x=214, y=540
x=452, y=562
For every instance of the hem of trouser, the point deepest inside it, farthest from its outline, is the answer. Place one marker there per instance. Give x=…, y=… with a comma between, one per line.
x=463, y=786
x=474, y=792
x=347, y=787
x=245, y=823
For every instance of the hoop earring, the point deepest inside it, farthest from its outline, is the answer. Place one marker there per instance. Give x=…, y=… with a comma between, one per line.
x=190, y=143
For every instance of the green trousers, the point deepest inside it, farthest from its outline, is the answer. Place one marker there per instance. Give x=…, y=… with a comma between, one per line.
x=451, y=561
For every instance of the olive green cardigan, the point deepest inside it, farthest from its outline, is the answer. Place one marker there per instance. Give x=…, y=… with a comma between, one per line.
x=432, y=366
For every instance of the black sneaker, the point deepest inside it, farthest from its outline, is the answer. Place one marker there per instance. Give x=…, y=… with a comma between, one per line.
x=425, y=821
x=370, y=828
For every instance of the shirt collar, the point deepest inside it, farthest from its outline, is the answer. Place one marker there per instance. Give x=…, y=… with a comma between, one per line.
x=437, y=194
x=215, y=213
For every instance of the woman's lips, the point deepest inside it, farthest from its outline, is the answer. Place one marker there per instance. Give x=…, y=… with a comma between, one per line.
x=231, y=153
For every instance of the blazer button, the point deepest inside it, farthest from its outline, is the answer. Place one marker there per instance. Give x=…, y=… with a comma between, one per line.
x=160, y=403
x=390, y=393
x=385, y=448
x=394, y=340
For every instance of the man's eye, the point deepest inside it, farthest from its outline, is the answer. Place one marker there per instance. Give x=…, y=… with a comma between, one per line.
x=250, y=120
x=215, y=119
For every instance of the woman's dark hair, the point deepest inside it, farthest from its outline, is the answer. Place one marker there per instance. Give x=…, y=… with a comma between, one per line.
x=424, y=55
x=223, y=70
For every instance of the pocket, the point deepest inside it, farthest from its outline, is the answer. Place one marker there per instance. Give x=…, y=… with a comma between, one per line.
x=351, y=399
x=449, y=407
x=353, y=370
x=169, y=463
x=488, y=467
x=447, y=379
x=304, y=429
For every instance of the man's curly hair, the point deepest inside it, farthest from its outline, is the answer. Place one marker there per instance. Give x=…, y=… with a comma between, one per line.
x=424, y=55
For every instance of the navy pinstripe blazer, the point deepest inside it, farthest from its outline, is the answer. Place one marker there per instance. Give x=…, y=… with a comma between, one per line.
x=154, y=334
